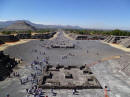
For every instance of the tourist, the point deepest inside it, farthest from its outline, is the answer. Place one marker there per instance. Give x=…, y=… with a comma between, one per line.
x=73, y=92
x=87, y=51
x=51, y=90
x=21, y=81
x=7, y=95
x=27, y=90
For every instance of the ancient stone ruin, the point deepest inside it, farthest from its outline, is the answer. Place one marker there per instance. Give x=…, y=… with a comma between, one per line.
x=43, y=35
x=126, y=42
x=20, y=26
x=6, y=65
x=68, y=77
x=69, y=45
x=114, y=39
x=24, y=35
x=14, y=38
x=90, y=37
x=8, y=38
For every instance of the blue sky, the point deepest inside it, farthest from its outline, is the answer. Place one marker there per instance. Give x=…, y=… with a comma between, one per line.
x=107, y=14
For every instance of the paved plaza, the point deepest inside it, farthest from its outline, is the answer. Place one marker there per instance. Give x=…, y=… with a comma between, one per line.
x=100, y=57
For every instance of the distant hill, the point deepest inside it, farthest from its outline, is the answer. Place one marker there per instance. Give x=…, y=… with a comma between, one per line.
x=19, y=26
x=37, y=26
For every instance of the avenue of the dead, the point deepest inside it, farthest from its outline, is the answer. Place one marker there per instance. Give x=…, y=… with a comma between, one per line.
x=106, y=63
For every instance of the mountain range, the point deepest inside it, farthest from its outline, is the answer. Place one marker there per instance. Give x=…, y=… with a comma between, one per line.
x=5, y=24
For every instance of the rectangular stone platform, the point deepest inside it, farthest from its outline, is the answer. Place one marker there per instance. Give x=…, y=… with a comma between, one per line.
x=63, y=78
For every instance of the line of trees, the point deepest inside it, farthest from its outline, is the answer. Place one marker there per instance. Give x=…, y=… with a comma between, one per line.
x=29, y=31
x=15, y=32
x=99, y=32
x=45, y=30
x=77, y=31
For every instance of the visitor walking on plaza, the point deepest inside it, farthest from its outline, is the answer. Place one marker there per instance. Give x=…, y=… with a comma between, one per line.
x=7, y=95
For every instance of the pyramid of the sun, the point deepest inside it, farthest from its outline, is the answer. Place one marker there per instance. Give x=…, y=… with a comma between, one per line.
x=20, y=26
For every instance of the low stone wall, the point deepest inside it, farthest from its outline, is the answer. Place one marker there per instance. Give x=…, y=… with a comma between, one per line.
x=13, y=38
x=8, y=38
x=61, y=46
x=35, y=36
x=90, y=37
x=69, y=87
x=23, y=36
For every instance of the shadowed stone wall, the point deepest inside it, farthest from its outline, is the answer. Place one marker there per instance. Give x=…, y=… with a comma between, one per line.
x=6, y=65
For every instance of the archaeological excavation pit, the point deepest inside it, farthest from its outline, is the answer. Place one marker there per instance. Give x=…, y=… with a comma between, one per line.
x=70, y=77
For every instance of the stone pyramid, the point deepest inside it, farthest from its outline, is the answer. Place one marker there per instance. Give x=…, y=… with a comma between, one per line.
x=20, y=26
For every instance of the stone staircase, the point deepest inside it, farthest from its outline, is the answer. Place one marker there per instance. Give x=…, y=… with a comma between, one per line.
x=115, y=39
x=126, y=42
